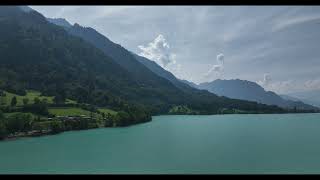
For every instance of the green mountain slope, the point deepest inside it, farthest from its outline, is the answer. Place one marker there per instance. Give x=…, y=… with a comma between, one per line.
x=36, y=54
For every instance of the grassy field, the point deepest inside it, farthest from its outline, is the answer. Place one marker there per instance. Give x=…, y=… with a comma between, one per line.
x=31, y=95
x=31, y=114
x=106, y=110
x=58, y=111
x=66, y=111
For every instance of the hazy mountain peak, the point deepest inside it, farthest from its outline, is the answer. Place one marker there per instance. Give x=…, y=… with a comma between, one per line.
x=60, y=22
x=311, y=97
x=239, y=83
x=77, y=25
x=248, y=90
x=26, y=8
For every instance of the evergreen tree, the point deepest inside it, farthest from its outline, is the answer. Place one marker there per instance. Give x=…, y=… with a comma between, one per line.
x=36, y=100
x=59, y=99
x=3, y=129
x=25, y=101
x=14, y=101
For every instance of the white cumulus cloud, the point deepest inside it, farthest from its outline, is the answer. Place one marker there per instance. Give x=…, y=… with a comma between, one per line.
x=220, y=58
x=159, y=51
x=266, y=81
x=216, y=68
x=313, y=84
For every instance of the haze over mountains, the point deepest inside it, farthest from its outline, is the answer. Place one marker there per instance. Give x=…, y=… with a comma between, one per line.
x=236, y=89
x=311, y=97
x=81, y=64
x=247, y=90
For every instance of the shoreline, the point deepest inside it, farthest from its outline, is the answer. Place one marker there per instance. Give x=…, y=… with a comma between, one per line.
x=49, y=133
x=237, y=114
x=29, y=134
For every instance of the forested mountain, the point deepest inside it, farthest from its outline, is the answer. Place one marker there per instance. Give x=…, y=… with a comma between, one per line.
x=36, y=54
x=251, y=91
x=120, y=55
x=189, y=83
x=142, y=68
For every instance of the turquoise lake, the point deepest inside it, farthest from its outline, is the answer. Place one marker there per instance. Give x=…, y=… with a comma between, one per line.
x=218, y=144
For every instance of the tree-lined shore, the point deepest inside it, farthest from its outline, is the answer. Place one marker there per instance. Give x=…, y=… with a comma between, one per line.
x=25, y=117
x=43, y=117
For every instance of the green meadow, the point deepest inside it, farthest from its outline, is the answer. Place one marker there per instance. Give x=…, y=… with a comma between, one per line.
x=31, y=95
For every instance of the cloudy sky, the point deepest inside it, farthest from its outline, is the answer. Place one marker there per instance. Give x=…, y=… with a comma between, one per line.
x=277, y=47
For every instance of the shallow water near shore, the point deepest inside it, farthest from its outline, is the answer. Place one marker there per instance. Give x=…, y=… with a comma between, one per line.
x=217, y=144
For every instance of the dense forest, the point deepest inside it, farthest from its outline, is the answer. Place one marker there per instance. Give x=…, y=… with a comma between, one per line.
x=40, y=116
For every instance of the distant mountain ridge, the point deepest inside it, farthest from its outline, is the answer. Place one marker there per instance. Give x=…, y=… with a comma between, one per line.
x=26, y=8
x=251, y=91
x=191, y=84
x=286, y=97
x=60, y=22
x=311, y=97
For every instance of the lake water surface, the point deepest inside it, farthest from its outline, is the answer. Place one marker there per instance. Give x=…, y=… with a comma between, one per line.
x=288, y=143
